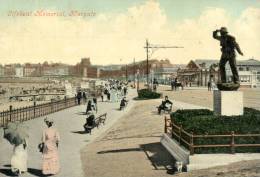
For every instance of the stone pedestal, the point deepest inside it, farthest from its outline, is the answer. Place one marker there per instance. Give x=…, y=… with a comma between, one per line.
x=228, y=103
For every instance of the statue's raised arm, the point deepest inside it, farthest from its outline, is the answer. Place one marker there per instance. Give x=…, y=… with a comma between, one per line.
x=215, y=35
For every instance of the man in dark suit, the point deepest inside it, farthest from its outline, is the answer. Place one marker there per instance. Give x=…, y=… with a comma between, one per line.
x=163, y=106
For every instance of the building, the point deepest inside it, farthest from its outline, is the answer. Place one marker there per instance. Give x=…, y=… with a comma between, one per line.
x=9, y=70
x=249, y=73
x=85, y=69
x=249, y=65
x=19, y=71
x=113, y=74
x=32, y=70
x=160, y=69
x=199, y=72
x=1, y=71
x=56, y=69
x=166, y=72
x=109, y=67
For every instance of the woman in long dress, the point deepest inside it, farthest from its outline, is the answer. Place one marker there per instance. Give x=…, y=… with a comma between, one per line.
x=113, y=95
x=19, y=158
x=50, y=138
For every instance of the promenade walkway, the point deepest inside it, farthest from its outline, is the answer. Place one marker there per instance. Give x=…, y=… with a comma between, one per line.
x=132, y=146
x=69, y=122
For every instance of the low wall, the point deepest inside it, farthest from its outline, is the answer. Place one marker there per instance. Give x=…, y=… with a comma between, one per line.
x=202, y=161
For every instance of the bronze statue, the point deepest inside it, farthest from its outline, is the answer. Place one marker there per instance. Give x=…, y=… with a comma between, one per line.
x=228, y=46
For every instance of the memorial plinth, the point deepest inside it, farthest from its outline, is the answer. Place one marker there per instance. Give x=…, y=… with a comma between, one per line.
x=228, y=103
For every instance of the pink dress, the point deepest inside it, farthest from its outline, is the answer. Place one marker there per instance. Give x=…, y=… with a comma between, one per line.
x=50, y=163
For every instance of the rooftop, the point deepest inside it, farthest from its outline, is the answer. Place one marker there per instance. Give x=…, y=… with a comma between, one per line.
x=207, y=62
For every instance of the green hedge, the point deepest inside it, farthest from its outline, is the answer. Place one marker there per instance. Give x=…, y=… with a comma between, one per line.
x=203, y=121
x=148, y=94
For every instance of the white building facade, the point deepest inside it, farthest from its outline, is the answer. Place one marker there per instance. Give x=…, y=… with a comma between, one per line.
x=19, y=72
x=1, y=71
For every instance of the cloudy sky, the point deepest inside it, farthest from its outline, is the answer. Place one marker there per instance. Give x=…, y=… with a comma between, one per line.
x=117, y=31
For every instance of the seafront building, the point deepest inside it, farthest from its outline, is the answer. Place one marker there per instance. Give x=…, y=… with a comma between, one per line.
x=19, y=71
x=199, y=72
x=1, y=70
x=196, y=73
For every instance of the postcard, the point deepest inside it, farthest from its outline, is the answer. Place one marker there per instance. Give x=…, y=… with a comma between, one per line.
x=133, y=88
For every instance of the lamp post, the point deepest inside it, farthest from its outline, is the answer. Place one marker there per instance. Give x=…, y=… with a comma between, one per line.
x=138, y=74
x=134, y=73
x=153, y=48
x=126, y=76
x=152, y=77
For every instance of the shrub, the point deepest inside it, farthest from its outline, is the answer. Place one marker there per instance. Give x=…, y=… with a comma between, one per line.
x=203, y=121
x=148, y=94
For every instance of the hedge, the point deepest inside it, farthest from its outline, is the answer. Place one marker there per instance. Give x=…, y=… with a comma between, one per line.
x=148, y=94
x=203, y=121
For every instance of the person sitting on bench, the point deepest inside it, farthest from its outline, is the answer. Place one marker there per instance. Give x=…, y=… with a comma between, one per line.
x=123, y=103
x=164, y=104
x=90, y=121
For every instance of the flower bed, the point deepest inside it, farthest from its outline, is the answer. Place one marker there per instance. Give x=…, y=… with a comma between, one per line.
x=203, y=122
x=148, y=94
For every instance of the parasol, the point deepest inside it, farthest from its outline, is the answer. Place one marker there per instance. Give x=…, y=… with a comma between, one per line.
x=15, y=133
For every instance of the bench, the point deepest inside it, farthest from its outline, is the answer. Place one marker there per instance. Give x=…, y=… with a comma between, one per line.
x=122, y=107
x=168, y=109
x=97, y=121
x=101, y=119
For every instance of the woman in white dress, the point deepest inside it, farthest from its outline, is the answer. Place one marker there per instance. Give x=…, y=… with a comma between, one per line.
x=19, y=158
x=113, y=95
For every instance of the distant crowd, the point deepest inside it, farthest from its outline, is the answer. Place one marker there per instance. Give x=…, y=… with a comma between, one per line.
x=17, y=135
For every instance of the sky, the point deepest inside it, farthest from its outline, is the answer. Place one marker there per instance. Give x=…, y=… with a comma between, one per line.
x=117, y=31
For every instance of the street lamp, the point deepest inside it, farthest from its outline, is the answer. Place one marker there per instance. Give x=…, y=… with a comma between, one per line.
x=152, y=77
x=126, y=76
x=138, y=74
x=134, y=73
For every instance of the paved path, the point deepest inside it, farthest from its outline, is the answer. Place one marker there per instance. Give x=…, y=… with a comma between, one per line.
x=69, y=122
x=132, y=148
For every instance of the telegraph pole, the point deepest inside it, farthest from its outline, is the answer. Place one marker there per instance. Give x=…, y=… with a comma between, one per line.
x=126, y=76
x=147, y=62
x=149, y=46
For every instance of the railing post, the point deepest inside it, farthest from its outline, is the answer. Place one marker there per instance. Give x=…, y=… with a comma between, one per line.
x=65, y=100
x=10, y=111
x=232, y=142
x=26, y=112
x=172, y=130
x=52, y=106
x=34, y=106
x=180, y=134
x=20, y=115
x=191, y=144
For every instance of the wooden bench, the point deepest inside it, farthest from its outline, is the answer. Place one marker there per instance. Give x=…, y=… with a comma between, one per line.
x=167, y=109
x=101, y=119
x=97, y=121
